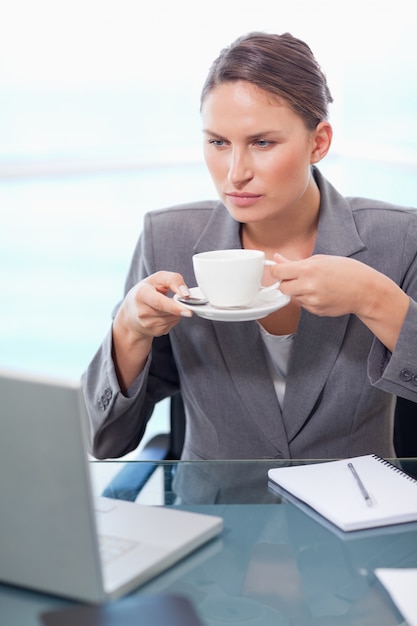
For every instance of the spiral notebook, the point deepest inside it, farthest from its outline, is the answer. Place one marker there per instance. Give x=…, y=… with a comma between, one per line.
x=354, y=494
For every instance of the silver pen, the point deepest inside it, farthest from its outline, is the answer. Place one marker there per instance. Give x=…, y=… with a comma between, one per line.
x=364, y=491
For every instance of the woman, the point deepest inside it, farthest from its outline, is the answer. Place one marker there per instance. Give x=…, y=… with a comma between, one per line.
x=315, y=379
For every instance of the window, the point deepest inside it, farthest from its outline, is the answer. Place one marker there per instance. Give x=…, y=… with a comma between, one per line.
x=99, y=123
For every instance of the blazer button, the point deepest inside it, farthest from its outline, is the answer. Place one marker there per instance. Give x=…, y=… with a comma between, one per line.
x=406, y=375
x=105, y=398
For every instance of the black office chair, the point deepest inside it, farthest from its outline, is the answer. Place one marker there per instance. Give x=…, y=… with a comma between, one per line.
x=131, y=479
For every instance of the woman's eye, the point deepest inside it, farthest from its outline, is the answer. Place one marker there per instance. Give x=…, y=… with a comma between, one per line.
x=263, y=143
x=219, y=143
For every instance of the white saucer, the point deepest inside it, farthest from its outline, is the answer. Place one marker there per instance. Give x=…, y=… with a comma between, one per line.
x=263, y=305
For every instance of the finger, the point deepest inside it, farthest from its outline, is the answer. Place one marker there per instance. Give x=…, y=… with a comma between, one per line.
x=154, y=297
x=284, y=269
x=174, y=282
x=279, y=258
x=165, y=281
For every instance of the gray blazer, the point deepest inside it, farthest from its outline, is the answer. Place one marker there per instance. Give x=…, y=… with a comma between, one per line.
x=341, y=380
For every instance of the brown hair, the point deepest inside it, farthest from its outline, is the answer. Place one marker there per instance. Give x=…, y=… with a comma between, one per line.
x=279, y=64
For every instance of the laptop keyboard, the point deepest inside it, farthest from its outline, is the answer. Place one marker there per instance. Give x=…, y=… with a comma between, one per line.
x=113, y=547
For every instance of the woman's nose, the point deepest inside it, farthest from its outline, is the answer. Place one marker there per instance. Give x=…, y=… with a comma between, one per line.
x=240, y=170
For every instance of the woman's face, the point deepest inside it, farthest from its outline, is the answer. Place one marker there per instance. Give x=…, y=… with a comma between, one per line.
x=258, y=152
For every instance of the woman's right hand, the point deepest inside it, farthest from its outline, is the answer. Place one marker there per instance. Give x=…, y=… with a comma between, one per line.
x=146, y=309
x=145, y=313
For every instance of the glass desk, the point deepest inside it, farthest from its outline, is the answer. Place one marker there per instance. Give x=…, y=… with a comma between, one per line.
x=273, y=564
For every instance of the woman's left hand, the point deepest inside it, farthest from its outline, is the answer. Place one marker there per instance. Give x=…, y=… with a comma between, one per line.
x=332, y=286
x=324, y=284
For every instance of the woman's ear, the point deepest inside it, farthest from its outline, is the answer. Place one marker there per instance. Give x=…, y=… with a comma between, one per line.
x=322, y=139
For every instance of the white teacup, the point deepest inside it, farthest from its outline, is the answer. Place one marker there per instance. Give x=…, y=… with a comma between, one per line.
x=231, y=278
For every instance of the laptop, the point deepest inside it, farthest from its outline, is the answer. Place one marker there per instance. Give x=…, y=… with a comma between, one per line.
x=55, y=536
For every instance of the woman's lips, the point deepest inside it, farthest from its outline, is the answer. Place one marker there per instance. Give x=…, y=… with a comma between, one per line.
x=243, y=199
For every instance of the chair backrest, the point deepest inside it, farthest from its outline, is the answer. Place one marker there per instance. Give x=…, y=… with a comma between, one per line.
x=405, y=428
x=177, y=434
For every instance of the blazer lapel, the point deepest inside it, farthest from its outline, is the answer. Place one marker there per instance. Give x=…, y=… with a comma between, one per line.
x=244, y=356
x=316, y=348
x=319, y=339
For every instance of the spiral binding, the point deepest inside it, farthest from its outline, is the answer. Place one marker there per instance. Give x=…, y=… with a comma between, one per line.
x=396, y=469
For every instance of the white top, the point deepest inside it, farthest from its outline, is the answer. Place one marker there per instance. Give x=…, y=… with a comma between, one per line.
x=278, y=350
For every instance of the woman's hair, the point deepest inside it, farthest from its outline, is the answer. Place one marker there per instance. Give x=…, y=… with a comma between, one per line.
x=282, y=65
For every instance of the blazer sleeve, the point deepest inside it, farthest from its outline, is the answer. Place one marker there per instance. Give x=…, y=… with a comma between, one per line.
x=117, y=421
x=396, y=372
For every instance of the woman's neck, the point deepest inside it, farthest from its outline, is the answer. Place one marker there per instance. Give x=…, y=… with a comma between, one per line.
x=294, y=241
